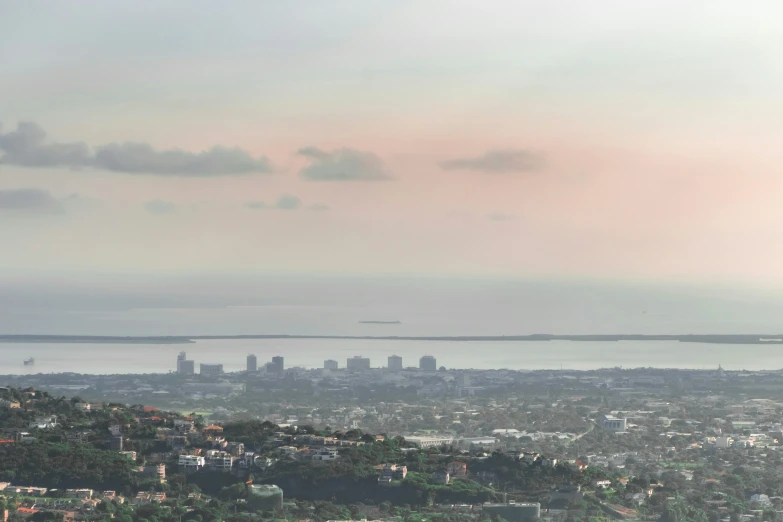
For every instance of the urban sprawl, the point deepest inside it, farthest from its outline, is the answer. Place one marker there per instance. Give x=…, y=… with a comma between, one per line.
x=356, y=442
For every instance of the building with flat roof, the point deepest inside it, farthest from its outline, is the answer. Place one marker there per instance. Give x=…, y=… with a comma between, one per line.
x=358, y=362
x=614, y=424
x=513, y=511
x=191, y=463
x=185, y=365
x=428, y=364
x=330, y=364
x=210, y=370
x=429, y=442
x=395, y=363
x=278, y=364
x=252, y=363
x=265, y=497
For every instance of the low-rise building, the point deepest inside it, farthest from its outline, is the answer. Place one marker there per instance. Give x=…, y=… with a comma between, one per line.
x=614, y=424
x=322, y=454
x=219, y=460
x=513, y=512
x=429, y=442
x=457, y=469
x=391, y=472
x=441, y=477
x=191, y=463
x=157, y=471
x=84, y=494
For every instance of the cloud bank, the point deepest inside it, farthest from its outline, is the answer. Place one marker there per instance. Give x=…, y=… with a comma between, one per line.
x=342, y=165
x=29, y=199
x=498, y=162
x=28, y=146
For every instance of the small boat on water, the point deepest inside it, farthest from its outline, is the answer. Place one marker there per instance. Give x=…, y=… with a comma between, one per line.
x=29, y=362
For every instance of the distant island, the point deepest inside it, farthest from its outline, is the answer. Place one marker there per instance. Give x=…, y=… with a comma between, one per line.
x=772, y=339
x=380, y=322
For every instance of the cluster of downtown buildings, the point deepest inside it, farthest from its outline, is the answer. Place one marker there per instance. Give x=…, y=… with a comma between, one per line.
x=187, y=366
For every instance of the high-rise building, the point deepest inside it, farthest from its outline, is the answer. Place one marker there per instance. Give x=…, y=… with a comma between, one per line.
x=428, y=364
x=210, y=370
x=252, y=363
x=330, y=365
x=184, y=365
x=463, y=380
x=278, y=364
x=395, y=363
x=358, y=362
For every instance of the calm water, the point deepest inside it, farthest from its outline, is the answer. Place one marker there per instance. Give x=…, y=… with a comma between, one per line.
x=138, y=305
x=124, y=358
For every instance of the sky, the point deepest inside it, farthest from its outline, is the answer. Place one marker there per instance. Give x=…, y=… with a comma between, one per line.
x=519, y=139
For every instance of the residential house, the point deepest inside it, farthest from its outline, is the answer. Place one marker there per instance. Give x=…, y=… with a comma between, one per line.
x=219, y=460
x=44, y=422
x=142, y=497
x=236, y=449
x=157, y=471
x=457, y=469
x=391, y=472
x=321, y=454
x=441, y=477
x=191, y=463
x=83, y=494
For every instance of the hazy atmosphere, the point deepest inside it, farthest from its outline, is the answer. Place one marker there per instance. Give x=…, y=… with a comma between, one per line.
x=391, y=261
x=504, y=139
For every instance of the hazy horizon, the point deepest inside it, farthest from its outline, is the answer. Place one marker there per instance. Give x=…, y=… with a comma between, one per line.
x=216, y=305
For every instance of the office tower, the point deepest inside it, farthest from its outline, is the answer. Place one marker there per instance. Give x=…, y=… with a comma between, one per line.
x=428, y=364
x=278, y=364
x=184, y=365
x=463, y=380
x=211, y=370
x=252, y=363
x=395, y=363
x=330, y=365
x=358, y=363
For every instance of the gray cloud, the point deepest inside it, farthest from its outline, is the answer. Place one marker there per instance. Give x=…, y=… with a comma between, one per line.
x=158, y=206
x=284, y=202
x=288, y=202
x=141, y=158
x=27, y=146
x=342, y=165
x=498, y=161
x=29, y=199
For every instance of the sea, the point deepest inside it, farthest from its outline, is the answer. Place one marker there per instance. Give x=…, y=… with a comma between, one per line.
x=143, y=306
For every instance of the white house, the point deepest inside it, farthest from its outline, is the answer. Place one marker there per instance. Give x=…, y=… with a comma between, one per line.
x=191, y=463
